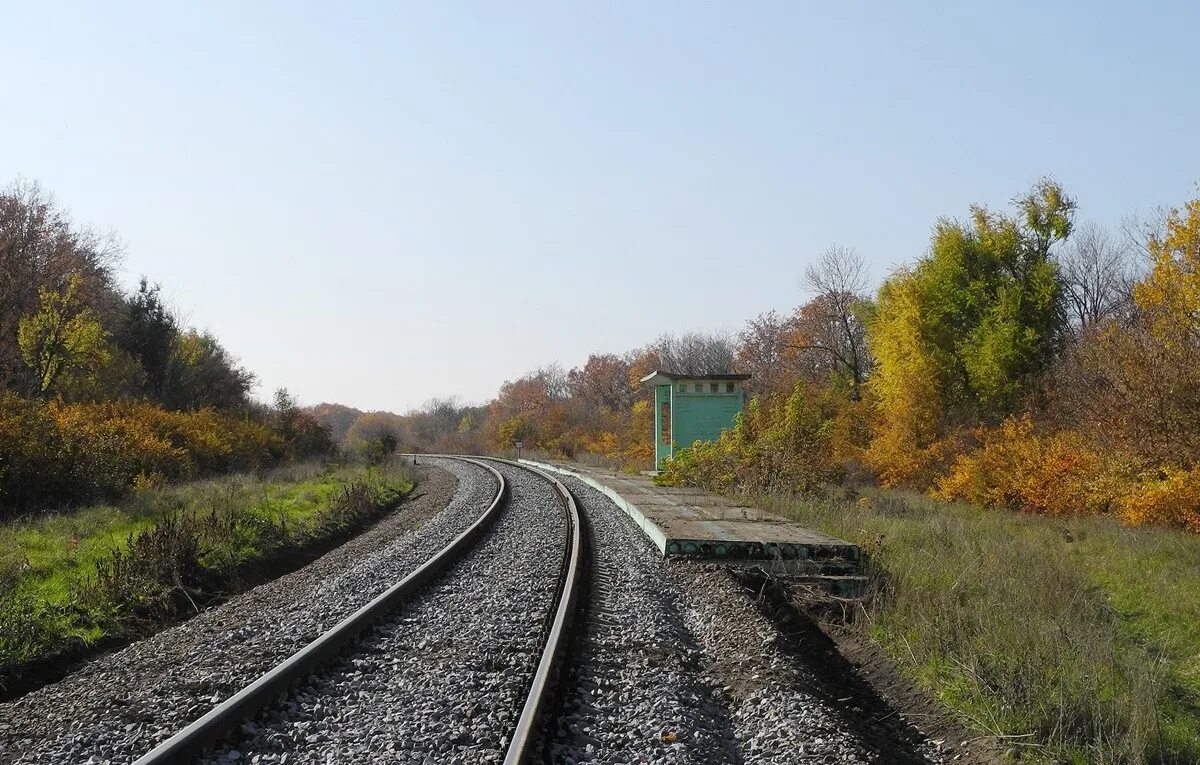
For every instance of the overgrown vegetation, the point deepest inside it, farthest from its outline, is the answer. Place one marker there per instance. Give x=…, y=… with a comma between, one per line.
x=102, y=392
x=1016, y=364
x=1071, y=638
x=69, y=580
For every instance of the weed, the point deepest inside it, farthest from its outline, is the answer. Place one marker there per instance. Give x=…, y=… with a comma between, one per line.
x=1078, y=636
x=70, y=579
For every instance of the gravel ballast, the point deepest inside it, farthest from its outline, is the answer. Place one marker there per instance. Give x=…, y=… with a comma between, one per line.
x=120, y=706
x=635, y=691
x=679, y=666
x=444, y=681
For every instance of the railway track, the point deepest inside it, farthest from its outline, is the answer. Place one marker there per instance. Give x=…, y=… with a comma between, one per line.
x=526, y=552
x=464, y=659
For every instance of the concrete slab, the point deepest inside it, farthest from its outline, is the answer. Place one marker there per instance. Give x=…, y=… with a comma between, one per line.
x=688, y=522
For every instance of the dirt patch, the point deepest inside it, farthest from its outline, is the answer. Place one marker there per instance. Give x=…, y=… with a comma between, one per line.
x=883, y=706
x=433, y=492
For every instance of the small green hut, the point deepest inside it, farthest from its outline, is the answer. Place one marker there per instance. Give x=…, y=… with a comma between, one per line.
x=690, y=408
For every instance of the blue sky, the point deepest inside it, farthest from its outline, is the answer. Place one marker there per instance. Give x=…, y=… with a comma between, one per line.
x=381, y=203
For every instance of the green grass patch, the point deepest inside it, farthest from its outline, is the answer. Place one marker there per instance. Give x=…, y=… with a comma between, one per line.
x=1076, y=639
x=71, y=578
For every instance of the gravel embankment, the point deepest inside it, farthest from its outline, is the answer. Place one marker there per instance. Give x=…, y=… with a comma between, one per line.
x=680, y=654
x=445, y=680
x=120, y=706
x=636, y=691
x=776, y=720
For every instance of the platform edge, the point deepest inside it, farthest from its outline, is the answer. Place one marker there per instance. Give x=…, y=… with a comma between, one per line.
x=656, y=535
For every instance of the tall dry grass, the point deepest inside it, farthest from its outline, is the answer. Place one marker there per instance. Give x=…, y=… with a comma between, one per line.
x=1076, y=639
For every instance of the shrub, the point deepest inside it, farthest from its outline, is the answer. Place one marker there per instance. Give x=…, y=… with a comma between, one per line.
x=28, y=625
x=1173, y=500
x=150, y=578
x=1019, y=469
x=33, y=464
x=108, y=451
x=57, y=453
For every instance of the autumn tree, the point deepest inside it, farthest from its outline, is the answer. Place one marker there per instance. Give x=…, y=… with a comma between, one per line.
x=829, y=331
x=1140, y=387
x=766, y=351
x=40, y=249
x=62, y=336
x=907, y=382
x=603, y=382
x=376, y=428
x=337, y=417
x=530, y=408
x=964, y=335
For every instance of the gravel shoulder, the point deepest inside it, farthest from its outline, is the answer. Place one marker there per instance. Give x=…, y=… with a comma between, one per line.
x=636, y=690
x=681, y=663
x=445, y=679
x=118, y=707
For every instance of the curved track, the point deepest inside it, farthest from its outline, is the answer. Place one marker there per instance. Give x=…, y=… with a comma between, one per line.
x=526, y=737
x=343, y=683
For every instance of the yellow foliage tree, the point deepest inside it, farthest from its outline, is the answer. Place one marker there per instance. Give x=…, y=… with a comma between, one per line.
x=1144, y=375
x=1170, y=295
x=63, y=335
x=905, y=387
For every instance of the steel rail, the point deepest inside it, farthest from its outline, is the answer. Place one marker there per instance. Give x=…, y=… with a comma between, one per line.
x=522, y=746
x=244, y=704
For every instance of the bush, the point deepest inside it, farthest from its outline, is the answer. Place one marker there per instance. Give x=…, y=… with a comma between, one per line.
x=1019, y=469
x=57, y=453
x=150, y=578
x=107, y=450
x=32, y=451
x=1173, y=500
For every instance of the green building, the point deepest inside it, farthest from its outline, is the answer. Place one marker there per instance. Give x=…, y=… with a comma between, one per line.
x=690, y=408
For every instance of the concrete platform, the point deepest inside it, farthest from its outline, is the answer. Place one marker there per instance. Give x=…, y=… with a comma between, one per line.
x=686, y=522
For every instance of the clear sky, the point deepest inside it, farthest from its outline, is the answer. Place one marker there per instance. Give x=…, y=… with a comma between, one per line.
x=378, y=203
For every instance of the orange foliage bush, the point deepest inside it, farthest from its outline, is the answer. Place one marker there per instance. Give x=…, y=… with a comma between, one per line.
x=1173, y=501
x=108, y=451
x=62, y=453
x=31, y=449
x=1019, y=469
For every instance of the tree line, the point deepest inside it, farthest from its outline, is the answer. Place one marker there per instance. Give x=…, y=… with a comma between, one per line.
x=103, y=390
x=1024, y=361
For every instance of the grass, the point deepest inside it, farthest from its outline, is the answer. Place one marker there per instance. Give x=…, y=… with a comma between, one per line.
x=70, y=579
x=1075, y=639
